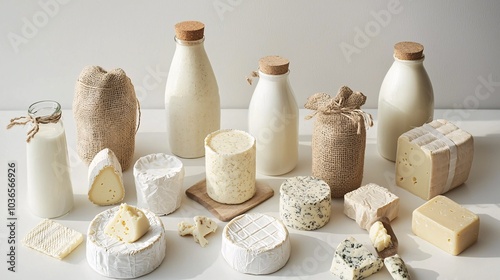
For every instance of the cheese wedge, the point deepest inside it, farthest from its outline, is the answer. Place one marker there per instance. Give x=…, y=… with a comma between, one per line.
x=105, y=179
x=397, y=267
x=128, y=225
x=53, y=239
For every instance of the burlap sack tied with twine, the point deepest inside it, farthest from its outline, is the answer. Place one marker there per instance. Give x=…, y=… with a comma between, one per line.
x=339, y=139
x=107, y=114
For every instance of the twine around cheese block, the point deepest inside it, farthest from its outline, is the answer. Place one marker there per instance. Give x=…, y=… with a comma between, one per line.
x=105, y=109
x=339, y=139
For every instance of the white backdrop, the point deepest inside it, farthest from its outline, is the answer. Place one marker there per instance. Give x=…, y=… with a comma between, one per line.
x=46, y=43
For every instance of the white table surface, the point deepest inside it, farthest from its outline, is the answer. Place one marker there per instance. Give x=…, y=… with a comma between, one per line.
x=312, y=251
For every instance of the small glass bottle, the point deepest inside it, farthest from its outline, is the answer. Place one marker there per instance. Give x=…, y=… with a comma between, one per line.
x=192, y=101
x=406, y=98
x=50, y=193
x=273, y=118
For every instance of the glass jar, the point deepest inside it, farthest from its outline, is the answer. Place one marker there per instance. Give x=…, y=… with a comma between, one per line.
x=192, y=101
x=273, y=118
x=49, y=193
x=406, y=98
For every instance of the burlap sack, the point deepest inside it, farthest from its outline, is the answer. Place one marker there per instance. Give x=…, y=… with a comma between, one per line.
x=339, y=139
x=105, y=109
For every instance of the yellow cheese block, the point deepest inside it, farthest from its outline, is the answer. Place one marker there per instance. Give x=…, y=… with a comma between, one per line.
x=128, y=225
x=446, y=224
x=433, y=159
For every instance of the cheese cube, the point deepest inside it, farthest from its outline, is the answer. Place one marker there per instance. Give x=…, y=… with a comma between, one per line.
x=369, y=203
x=202, y=227
x=53, y=239
x=397, y=268
x=105, y=179
x=128, y=225
x=446, y=224
x=352, y=260
x=433, y=159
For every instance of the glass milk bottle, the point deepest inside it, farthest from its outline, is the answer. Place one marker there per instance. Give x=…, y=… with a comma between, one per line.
x=192, y=100
x=273, y=118
x=406, y=98
x=49, y=192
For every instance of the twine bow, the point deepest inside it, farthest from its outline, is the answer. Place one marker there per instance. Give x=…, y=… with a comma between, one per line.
x=254, y=74
x=346, y=103
x=54, y=118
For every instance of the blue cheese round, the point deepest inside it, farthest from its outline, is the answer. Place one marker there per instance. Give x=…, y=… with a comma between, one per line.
x=305, y=203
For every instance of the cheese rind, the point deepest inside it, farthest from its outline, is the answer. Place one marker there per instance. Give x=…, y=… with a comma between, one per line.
x=397, y=268
x=352, y=260
x=53, y=239
x=433, y=159
x=128, y=224
x=255, y=244
x=305, y=203
x=230, y=166
x=446, y=224
x=159, y=180
x=105, y=179
x=369, y=203
x=113, y=258
x=202, y=227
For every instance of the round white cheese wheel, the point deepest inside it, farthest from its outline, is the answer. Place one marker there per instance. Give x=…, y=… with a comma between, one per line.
x=255, y=244
x=158, y=180
x=117, y=259
x=230, y=166
x=305, y=203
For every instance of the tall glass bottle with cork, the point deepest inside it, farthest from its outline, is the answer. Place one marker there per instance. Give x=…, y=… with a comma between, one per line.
x=406, y=98
x=273, y=118
x=192, y=101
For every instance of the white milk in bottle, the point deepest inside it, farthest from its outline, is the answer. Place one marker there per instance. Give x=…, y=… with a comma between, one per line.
x=406, y=98
x=273, y=118
x=192, y=100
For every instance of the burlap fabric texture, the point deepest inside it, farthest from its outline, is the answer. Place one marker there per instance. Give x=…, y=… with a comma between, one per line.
x=339, y=139
x=106, y=110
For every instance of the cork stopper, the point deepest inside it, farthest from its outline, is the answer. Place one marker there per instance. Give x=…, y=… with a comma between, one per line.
x=273, y=65
x=408, y=51
x=189, y=30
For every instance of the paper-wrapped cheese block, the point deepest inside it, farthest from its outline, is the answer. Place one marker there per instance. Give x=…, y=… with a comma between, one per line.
x=434, y=158
x=230, y=166
x=158, y=181
x=255, y=244
x=117, y=259
x=369, y=203
x=105, y=179
x=305, y=202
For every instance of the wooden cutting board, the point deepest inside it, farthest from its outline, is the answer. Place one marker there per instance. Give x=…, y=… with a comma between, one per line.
x=225, y=212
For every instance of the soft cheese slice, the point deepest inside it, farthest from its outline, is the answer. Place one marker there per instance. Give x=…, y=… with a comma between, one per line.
x=446, y=224
x=397, y=268
x=433, y=159
x=105, y=179
x=305, y=203
x=128, y=225
x=352, y=260
x=369, y=203
x=202, y=227
x=116, y=259
x=379, y=237
x=255, y=244
x=53, y=239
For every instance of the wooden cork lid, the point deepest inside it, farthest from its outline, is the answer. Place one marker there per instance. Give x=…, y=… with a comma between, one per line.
x=274, y=65
x=189, y=30
x=408, y=51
